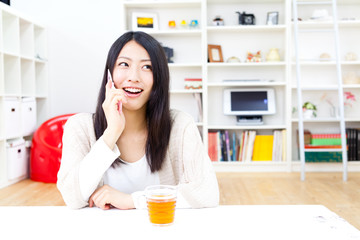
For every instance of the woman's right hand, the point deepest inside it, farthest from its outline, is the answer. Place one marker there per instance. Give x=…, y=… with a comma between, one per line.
x=114, y=116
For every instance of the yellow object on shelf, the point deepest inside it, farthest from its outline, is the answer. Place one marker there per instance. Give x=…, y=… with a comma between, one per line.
x=263, y=148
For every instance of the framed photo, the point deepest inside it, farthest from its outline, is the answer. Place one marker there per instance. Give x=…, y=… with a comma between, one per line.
x=144, y=21
x=272, y=18
x=215, y=53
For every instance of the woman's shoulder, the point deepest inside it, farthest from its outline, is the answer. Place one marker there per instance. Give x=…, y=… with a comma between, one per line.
x=180, y=119
x=178, y=116
x=80, y=120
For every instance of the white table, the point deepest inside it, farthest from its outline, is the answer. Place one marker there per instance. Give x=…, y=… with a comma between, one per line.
x=224, y=222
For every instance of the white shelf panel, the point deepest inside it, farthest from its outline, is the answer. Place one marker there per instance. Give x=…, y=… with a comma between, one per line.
x=318, y=88
x=246, y=28
x=177, y=32
x=328, y=24
x=245, y=84
x=187, y=91
x=318, y=120
x=245, y=64
x=162, y=3
x=244, y=127
x=317, y=62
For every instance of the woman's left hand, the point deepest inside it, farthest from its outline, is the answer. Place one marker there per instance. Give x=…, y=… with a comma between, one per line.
x=106, y=196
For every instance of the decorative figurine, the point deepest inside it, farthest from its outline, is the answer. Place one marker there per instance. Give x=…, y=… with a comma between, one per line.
x=183, y=24
x=194, y=24
x=273, y=55
x=325, y=57
x=218, y=21
x=172, y=24
x=233, y=59
x=351, y=56
x=246, y=18
x=254, y=57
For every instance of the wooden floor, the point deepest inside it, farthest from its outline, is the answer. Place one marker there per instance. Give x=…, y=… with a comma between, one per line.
x=326, y=189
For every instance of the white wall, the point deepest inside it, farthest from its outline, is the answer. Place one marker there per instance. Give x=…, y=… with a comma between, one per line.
x=80, y=34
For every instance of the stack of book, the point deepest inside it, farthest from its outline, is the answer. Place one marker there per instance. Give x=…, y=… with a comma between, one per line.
x=333, y=141
x=247, y=146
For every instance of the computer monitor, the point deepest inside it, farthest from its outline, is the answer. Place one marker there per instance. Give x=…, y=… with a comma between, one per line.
x=249, y=101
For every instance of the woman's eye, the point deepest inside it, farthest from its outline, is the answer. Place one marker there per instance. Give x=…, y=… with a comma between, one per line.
x=123, y=64
x=147, y=67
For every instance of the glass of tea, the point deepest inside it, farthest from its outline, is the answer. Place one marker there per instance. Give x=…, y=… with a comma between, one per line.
x=161, y=202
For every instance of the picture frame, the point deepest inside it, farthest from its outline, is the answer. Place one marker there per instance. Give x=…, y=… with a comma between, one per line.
x=272, y=18
x=144, y=21
x=215, y=53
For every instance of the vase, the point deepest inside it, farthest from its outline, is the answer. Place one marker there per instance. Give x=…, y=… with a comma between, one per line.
x=273, y=55
x=308, y=113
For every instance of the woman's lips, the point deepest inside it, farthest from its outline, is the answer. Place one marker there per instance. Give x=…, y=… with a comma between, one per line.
x=132, y=92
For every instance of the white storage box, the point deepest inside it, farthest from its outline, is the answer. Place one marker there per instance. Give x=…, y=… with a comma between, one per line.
x=12, y=117
x=17, y=163
x=28, y=115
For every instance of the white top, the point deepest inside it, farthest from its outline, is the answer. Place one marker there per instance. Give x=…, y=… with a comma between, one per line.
x=131, y=177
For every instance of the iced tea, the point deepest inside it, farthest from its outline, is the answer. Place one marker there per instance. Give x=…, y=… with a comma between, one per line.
x=161, y=202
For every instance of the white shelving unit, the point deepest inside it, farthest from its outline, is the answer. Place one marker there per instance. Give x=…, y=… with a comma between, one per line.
x=23, y=73
x=191, y=61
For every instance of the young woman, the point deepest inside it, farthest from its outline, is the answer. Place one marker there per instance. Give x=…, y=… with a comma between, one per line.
x=134, y=140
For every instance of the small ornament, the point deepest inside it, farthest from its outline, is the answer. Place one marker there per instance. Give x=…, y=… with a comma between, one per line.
x=325, y=57
x=233, y=59
x=194, y=24
x=218, y=21
x=172, y=24
x=350, y=56
x=254, y=57
x=183, y=24
x=273, y=55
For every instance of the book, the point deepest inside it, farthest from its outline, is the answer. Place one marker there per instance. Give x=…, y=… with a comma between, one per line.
x=263, y=148
x=213, y=146
x=227, y=144
x=325, y=139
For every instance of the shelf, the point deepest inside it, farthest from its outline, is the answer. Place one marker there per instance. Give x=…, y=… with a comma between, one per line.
x=318, y=88
x=327, y=24
x=244, y=127
x=162, y=4
x=245, y=84
x=318, y=120
x=186, y=91
x=317, y=62
x=177, y=32
x=245, y=64
x=247, y=1
x=247, y=28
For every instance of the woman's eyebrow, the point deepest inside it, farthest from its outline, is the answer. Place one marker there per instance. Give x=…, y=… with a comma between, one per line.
x=142, y=60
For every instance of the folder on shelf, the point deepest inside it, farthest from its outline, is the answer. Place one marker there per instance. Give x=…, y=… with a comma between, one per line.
x=263, y=148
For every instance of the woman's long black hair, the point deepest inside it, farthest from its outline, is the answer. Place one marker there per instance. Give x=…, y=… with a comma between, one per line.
x=158, y=117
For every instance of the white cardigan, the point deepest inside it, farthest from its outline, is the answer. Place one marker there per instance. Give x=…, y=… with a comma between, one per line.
x=186, y=162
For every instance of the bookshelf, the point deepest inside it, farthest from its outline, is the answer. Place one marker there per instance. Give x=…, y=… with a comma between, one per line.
x=23, y=74
x=191, y=60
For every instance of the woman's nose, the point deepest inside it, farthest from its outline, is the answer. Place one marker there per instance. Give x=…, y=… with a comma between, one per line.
x=134, y=75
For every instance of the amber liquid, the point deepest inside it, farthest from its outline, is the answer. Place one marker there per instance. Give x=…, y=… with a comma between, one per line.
x=161, y=211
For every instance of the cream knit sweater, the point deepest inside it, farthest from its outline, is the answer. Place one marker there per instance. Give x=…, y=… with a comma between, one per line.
x=186, y=163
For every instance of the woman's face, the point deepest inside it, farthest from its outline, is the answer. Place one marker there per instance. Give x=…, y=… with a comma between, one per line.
x=133, y=74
